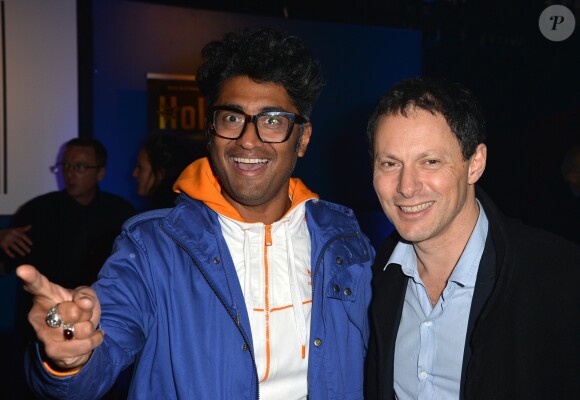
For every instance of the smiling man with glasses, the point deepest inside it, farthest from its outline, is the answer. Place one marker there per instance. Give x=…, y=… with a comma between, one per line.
x=251, y=287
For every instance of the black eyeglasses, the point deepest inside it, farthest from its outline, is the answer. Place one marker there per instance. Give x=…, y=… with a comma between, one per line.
x=271, y=126
x=80, y=168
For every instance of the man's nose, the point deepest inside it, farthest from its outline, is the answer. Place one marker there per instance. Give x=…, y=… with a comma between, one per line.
x=409, y=182
x=249, y=138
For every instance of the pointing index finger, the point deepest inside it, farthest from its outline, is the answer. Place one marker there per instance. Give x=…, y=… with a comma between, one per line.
x=39, y=286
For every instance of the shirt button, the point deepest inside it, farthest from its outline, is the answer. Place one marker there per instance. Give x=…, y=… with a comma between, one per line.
x=423, y=375
x=347, y=292
x=339, y=260
x=428, y=323
x=317, y=342
x=336, y=288
x=245, y=347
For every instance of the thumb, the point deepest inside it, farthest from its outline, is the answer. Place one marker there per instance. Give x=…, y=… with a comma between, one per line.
x=88, y=302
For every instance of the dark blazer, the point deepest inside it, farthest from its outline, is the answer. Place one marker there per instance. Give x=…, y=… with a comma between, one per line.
x=523, y=334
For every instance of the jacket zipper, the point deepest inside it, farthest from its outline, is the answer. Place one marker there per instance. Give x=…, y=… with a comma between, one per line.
x=235, y=318
x=267, y=243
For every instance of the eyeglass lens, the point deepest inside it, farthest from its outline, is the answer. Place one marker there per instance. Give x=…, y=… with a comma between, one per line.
x=75, y=167
x=272, y=126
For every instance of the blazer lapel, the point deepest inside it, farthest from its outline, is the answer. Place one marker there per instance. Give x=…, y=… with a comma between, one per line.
x=389, y=294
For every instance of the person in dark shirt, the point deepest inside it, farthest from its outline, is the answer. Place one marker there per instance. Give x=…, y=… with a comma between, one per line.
x=467, y=302
x=69, y=234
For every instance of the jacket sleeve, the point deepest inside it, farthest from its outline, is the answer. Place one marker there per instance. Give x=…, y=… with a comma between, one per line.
x=123, y=289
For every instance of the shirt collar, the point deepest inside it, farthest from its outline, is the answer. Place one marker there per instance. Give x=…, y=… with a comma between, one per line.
x=465, y=272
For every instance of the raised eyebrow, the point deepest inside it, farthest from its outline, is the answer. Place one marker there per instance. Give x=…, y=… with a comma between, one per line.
x=233, y=107
x=236, y=107
x=384, y=156
x=429, y=155
x=272, y=109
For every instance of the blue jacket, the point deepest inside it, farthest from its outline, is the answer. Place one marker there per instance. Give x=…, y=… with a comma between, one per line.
x=173, y=305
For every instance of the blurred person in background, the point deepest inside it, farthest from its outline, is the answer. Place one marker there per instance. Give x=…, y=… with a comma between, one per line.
x=159, y=163
x=67, y=234
x=557, y=208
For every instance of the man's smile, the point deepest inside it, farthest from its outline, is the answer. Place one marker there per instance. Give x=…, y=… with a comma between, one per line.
x=249, y=164
x=417, y=208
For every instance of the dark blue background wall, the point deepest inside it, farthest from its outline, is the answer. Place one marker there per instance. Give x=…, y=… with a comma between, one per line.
x=359, y=63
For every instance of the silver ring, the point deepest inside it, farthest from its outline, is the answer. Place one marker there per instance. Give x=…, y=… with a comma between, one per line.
x=68, y=331
x=53, y=318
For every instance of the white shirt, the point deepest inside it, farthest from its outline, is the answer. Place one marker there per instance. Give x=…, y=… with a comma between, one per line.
x=273, y=265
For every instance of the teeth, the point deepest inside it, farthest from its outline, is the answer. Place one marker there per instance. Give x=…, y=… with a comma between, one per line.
x=417, y=208
x=250, y=160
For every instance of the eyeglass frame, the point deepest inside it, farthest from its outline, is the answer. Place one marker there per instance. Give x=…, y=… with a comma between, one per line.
x=79, y=168
x=293, y=117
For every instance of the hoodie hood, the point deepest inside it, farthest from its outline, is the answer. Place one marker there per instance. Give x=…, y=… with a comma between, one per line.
x=199, y=182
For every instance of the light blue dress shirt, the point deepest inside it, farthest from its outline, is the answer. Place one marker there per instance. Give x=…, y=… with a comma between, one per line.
x=430, y=341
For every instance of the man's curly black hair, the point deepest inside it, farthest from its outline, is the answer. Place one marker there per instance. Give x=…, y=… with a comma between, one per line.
x=264, y=55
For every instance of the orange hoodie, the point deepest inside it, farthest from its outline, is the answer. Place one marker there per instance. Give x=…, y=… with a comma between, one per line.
x=199, y=182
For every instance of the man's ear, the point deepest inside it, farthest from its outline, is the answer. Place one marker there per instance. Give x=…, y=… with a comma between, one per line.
x=101, y=174
x=303, y=139
x=477, y=164
x=208, y=139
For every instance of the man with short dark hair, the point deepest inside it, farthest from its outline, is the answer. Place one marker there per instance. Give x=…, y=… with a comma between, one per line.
x=68, y=234
x=251, y=287
x=468, y=304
